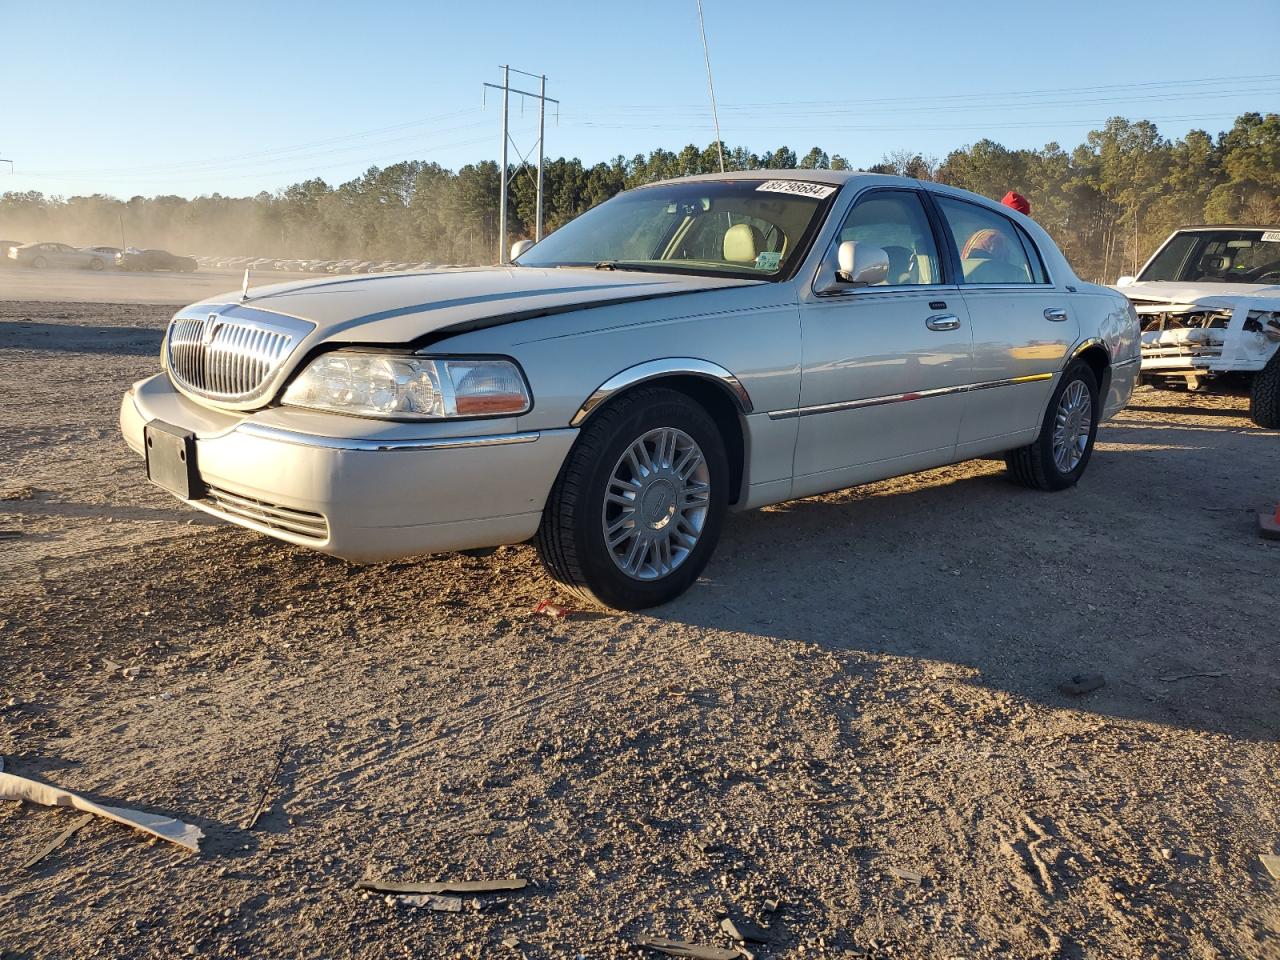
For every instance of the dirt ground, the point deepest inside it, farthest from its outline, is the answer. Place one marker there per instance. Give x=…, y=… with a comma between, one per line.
x=864, y=685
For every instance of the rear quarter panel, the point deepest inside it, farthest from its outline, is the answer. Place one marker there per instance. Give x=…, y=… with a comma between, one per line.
x=1107, y=315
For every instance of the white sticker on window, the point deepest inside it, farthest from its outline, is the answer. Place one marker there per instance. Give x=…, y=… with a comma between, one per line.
x=799, y=188
x=1271, y=236
x=768, y=259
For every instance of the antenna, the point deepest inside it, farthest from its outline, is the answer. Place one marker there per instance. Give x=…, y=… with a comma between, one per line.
x=702, y=28
x=244, y=290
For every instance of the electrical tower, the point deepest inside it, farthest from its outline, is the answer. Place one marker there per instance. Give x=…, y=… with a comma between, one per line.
x=543, y=100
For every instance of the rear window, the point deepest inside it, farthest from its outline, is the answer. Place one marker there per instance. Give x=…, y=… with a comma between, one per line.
x=991, y=247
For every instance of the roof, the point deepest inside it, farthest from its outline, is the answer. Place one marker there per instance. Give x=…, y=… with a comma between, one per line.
x=834, y=177
x=1227, y=226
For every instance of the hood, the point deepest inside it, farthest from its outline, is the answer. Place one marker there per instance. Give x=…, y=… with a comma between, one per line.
x=401, y=308
x=1169, y=291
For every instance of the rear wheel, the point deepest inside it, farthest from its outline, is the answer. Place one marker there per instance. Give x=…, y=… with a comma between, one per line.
x=96, y=264
x=1264, y=395
x=636, y=511
x=1057, y=458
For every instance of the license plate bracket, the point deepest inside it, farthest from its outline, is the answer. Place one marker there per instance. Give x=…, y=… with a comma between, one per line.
x=171, y=460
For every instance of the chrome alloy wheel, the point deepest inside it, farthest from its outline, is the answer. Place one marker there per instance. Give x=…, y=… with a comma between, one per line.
x=656, y=503
x=1072, y=424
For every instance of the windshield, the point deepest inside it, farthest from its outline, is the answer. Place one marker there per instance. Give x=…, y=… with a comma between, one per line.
x=1218, y=256
x=753, y=228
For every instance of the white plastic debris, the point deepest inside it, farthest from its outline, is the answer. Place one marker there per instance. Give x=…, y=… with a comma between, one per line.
x=13, y=787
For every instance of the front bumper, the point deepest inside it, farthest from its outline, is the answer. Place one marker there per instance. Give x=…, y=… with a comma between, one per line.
x=363, y=498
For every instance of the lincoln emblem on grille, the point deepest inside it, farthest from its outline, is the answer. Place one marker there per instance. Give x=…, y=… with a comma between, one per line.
x=210, y=329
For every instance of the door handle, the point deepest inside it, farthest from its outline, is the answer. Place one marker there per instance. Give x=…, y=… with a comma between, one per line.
x=943, y=321
x=1056, y=314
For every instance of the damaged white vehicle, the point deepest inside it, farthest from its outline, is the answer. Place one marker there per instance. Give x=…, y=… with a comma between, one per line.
x=1209, y=304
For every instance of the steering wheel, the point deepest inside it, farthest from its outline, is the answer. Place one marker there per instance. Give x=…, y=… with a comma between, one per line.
x=1271, y=269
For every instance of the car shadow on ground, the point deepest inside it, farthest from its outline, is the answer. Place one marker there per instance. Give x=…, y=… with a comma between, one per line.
x=79, y=338
x=976, y=571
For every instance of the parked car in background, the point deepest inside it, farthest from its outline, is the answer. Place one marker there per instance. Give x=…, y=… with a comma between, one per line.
x=132, y=259
x=43, y=254
x=1209, y=304
x=107, y=255
x=687, y=347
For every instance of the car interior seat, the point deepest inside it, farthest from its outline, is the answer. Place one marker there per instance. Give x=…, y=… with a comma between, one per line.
x=743, y=243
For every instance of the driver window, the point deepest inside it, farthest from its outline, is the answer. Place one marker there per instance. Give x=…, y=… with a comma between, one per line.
x=895, y=222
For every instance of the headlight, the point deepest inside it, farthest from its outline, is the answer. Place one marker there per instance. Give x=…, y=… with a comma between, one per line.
x=410, y=388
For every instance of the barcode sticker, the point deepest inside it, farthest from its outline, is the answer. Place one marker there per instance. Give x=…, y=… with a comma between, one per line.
x=799, y=188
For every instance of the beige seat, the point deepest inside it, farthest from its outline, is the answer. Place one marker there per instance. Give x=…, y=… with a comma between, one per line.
x=742, y=243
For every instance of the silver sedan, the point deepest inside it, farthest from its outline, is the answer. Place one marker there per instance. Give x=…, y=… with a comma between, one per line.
x=686, y=349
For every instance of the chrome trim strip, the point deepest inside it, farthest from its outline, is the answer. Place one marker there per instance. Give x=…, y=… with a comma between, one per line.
x=281, y=435
x=652, y=370
x=1126, y=363
x=904, y=397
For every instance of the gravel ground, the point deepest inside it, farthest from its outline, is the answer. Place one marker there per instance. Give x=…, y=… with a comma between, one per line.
x=862, y=690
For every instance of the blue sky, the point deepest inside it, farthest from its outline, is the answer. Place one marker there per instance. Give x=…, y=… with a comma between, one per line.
x=186, y=98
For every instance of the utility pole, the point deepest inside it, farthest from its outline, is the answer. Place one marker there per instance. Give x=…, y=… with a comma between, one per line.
x=503, y=179
x=706, y=55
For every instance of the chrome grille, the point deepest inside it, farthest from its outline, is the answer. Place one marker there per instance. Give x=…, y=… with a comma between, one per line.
x=230, y=358
x=264, y=514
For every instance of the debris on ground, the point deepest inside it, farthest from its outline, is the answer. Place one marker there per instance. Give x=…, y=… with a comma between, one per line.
x=1269, y=525
x=8, y=534
x=905, y=875
x=1082, y=683
x=547, y=608
x=743, y=931
x=165, y=828
x=430, y=901
x=1272, y=864
x=682, y=948
x=511, y=943
x=1187, y=676
x=18, y=493
x=131, y=673
x=266, y=787
x=57, y=841
x=445, y=886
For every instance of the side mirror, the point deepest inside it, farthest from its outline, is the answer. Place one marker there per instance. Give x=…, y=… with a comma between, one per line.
x=857, y=265
x=861, y=263
x=1126, y=281
x=519, y=247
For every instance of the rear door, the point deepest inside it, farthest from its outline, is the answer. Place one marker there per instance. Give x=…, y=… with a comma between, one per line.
x=881, y=363
x=1022, y=324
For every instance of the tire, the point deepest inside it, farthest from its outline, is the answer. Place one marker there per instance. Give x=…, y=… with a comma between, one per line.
x=573, y=542
x=1264, y=395
x=96, y=264
x=1036, y=465
x=39, y=263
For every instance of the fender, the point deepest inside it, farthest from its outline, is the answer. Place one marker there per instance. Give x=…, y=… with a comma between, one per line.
x=668, y=366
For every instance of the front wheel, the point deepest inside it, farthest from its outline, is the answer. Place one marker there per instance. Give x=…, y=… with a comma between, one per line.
x=96, y=264
x=1264, y=395
x=1057, y=458
x=636, y=511
x=39, y=263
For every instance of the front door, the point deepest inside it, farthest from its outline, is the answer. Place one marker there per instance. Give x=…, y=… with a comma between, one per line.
x=883, y=364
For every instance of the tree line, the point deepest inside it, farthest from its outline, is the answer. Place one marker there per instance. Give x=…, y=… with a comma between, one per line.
x=1108, y=202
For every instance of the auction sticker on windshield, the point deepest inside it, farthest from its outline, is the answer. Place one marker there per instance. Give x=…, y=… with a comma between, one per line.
x=1271, y=236
x=819, y=191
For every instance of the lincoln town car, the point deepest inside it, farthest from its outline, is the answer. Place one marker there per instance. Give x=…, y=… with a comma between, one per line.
x=686, y=349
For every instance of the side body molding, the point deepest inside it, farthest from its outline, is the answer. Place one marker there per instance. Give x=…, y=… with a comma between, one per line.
x=668, y=366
